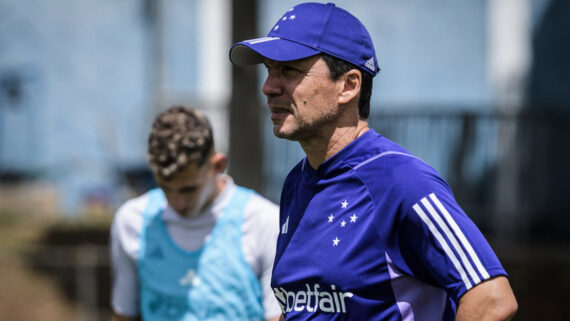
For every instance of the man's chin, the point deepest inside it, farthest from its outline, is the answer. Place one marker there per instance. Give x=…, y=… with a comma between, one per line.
x=188, y=213
x=280, y=133
x=292, y=135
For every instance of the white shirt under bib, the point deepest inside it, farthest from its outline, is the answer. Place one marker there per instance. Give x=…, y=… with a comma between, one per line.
x=260, y=229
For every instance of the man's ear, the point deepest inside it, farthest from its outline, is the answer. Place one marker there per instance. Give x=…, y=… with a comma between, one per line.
x=219, y=162
x=352, y=81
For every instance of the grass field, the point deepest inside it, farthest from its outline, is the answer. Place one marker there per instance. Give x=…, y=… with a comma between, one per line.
x=27, y=295
x=39, y=274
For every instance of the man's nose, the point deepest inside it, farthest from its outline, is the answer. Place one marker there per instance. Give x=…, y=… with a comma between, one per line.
x=271, y=86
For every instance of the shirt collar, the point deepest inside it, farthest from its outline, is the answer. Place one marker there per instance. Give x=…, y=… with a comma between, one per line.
x=351, y=152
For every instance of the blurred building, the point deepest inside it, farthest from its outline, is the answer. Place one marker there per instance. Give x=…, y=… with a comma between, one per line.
x=81, y=81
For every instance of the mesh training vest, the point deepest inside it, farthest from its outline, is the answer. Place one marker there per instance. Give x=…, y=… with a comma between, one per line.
x=213, y=283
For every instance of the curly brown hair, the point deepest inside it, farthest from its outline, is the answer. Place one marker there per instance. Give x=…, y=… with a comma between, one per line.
x=180, y=136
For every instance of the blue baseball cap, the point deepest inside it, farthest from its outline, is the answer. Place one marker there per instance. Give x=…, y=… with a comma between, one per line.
x=309, y=29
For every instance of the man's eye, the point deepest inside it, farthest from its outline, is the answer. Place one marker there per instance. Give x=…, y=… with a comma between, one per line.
x=288, y=70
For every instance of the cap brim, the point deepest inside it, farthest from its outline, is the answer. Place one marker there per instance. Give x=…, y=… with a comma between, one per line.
x=254, y=51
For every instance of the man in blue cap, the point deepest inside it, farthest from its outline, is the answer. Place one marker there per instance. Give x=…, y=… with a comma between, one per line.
x=367, y=230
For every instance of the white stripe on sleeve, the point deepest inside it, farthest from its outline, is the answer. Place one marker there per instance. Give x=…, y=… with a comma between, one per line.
x=451, y=237
x=443, y=244
x=461, y=237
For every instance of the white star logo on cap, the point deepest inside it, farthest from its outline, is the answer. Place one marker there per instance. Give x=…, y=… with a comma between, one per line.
x=292, y=17
x=276, y=27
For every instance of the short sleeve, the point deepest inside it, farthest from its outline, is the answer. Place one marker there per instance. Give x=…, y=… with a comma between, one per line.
x=261, y=227
x=125, y=231
x=439, y=242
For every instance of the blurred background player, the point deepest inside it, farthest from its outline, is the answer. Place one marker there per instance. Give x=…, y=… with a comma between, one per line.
x=199, y=247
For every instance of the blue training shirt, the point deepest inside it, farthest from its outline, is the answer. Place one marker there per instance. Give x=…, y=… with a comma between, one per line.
x=375, y=234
